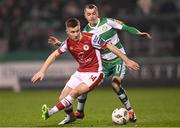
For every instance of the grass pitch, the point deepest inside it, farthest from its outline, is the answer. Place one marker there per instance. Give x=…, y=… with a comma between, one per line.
x=159, y=107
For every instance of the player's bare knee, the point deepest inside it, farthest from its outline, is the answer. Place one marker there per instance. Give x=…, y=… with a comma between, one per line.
x=61, y=96
x=74, y=93
x=116, y=83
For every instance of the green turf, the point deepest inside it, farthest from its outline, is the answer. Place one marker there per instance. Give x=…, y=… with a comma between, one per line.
x=158, y=107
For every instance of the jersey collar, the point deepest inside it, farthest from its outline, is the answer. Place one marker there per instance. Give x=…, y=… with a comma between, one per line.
x=96, y=24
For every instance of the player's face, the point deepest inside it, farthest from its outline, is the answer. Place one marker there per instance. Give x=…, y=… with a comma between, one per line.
x=74, y=33
x=91, y=15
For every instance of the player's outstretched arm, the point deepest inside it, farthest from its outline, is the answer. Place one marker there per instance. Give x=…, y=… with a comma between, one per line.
x=135, y=31
x=116, y=24
x=54, y=41
x=132, y=65
x=40, y=74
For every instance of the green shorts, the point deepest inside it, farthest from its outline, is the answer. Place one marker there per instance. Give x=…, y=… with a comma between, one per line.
x=116, y=67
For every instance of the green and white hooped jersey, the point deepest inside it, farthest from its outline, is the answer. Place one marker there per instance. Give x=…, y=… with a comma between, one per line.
x=106, y=29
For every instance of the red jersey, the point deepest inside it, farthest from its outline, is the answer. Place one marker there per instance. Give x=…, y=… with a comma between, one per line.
x=86, y=52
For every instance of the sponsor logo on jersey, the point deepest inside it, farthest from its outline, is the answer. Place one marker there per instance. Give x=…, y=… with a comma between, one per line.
x=82, y=59
x=96, y=38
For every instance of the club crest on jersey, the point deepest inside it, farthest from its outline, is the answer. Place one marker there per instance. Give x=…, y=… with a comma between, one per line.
x=86, y=47
x=104, y=28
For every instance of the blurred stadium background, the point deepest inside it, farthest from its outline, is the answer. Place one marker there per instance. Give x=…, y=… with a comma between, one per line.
x=25, y=26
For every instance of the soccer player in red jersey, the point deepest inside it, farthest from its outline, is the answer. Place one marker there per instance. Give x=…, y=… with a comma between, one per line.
x=85, y=48
x=112, y=65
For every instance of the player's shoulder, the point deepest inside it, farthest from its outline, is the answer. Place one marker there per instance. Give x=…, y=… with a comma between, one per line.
x=109, y=20
x=114, y=20
x=103, y=19
x=68, y=41
x=90, y=36
x=87, y=34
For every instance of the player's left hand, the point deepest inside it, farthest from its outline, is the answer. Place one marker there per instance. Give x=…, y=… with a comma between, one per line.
x=132, y=65
x=145, y=34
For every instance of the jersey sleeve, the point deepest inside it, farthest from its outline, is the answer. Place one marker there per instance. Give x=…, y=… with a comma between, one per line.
x=115, y=23
x=63, y=47
x=98, y=42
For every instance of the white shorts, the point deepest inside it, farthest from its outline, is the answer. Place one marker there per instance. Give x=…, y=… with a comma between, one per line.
x=91, y=79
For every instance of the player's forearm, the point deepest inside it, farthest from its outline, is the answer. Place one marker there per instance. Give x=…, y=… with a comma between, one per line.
x=48, y=62
x=117, y=52
x=130, y=29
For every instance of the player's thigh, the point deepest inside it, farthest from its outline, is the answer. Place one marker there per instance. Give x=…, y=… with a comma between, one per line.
x=106, y=69
x=74, y=80
x=71, y=84
x=89, y=81
x=79, y=90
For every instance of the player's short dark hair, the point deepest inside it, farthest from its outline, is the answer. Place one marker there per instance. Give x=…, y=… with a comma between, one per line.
x=72, y=22
x=90, y=6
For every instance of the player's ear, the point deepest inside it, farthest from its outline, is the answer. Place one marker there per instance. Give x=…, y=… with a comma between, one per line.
x=84, y=12
x=97, y=13
x=66, y=30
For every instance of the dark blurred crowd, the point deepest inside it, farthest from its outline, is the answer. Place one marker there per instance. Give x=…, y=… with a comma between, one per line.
x=26, y=24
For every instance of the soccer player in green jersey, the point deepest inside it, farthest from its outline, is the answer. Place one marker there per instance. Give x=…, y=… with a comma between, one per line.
x=113, y=66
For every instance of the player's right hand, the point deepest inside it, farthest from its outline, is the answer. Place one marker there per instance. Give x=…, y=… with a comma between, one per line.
x=132, y=65
x=53, y=40
x=145, y=34
x=37, y=76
